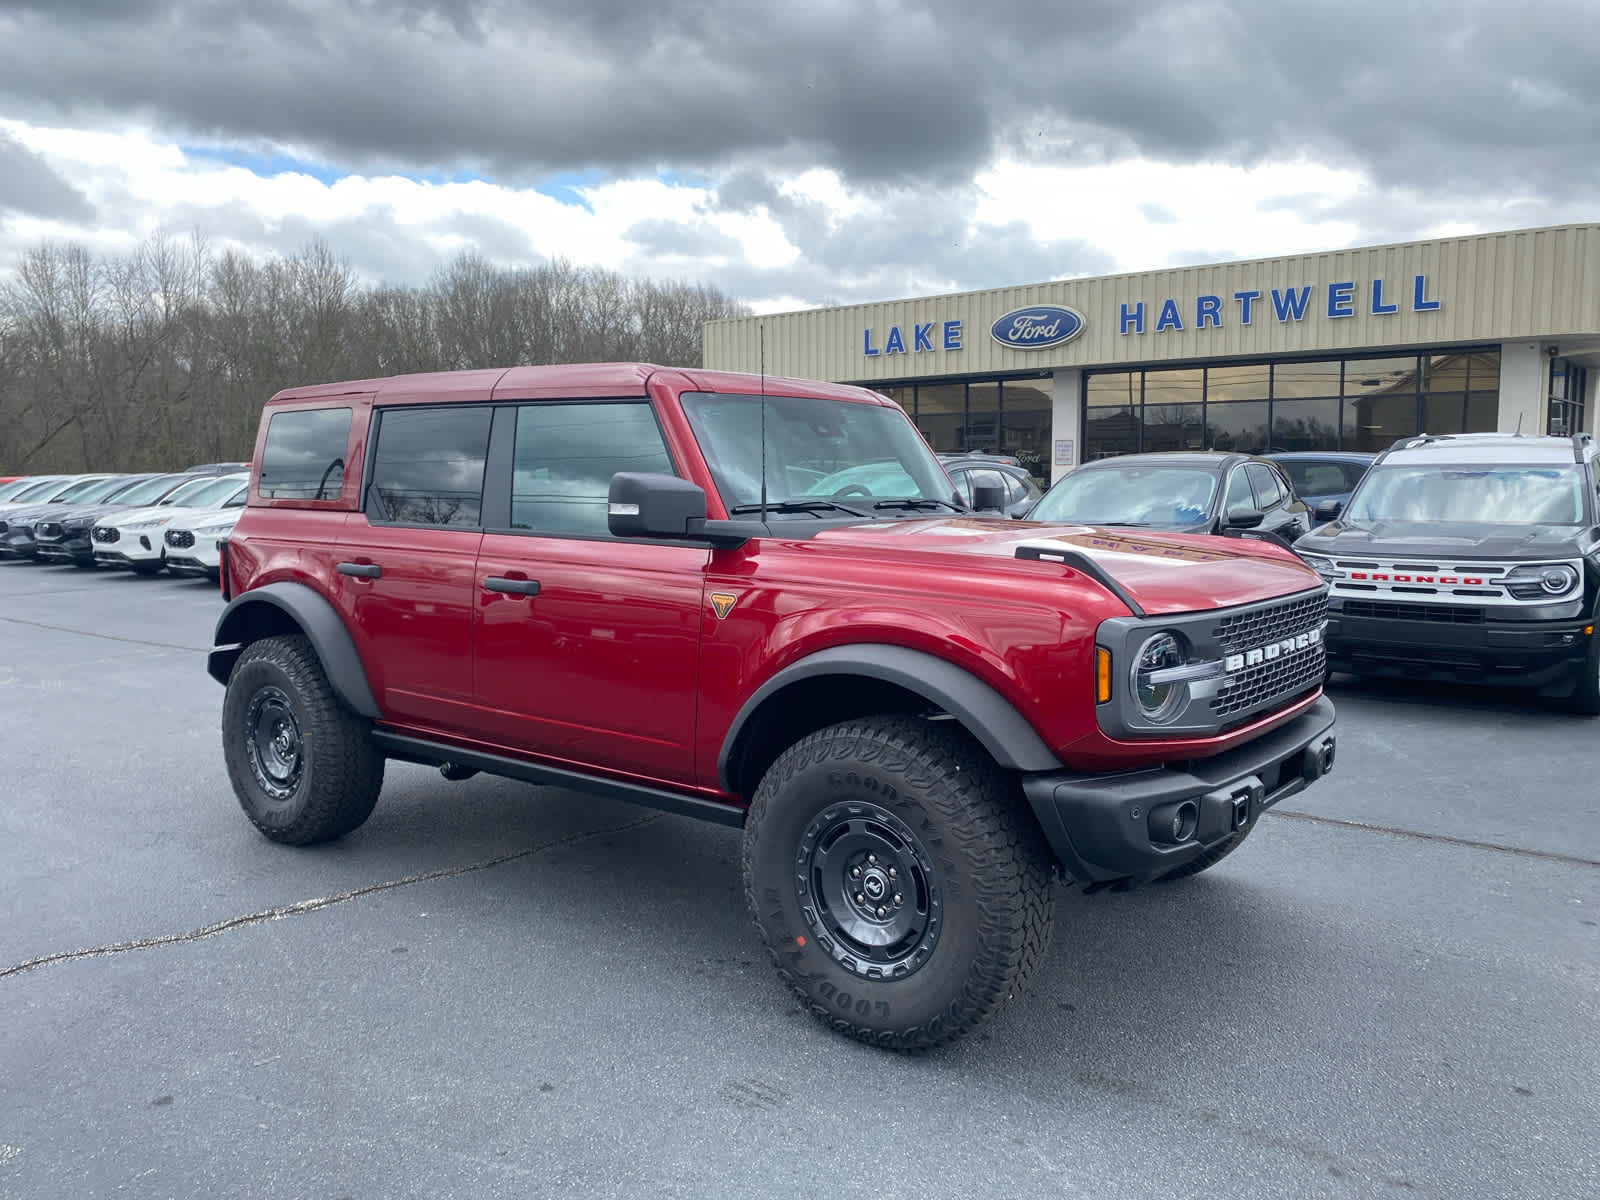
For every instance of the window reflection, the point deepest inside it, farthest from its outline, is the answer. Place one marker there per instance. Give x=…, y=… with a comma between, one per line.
x=1306, y=378
x=1240, y=426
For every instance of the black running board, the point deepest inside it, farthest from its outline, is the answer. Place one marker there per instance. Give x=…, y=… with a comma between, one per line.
x=434, y=754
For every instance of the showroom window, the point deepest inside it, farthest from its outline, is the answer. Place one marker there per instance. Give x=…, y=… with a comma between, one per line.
x=1355, y=403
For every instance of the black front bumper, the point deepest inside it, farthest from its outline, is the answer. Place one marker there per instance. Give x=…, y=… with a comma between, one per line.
x=1530, y=654
x=1113, y=828
x=78, y=550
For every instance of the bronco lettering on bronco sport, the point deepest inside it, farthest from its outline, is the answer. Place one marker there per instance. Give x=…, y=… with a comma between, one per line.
x=760, y=601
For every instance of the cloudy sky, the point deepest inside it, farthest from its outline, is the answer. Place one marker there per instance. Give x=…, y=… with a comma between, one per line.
x=795, y=154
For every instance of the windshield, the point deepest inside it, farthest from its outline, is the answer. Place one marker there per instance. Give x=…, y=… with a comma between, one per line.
x=815, y=450
x=208, y=493
x=1130, y=495
x=91, y=490
x=1540, y=495
x=147, y=492
x=43, y=491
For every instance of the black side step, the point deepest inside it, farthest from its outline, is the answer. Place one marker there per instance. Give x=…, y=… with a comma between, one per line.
x=434, y=754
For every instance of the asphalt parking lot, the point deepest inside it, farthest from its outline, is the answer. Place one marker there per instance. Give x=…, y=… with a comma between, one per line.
x=492, y=989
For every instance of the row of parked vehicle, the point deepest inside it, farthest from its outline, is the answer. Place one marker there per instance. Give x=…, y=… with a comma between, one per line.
x=144, y=523
x=1280, y=495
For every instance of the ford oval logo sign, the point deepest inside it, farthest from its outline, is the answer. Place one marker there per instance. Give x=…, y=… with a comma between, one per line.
x=1038, y=327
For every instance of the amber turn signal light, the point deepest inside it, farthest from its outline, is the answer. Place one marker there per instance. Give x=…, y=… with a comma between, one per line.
x=1102, y=674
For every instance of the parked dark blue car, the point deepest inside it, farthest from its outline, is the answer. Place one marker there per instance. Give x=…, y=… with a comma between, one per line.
x=1320, y=476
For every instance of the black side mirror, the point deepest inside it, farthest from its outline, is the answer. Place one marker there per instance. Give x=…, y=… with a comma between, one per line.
x=642, y=505
x=988, y=498
x=1329, y=510
x=1244, y=518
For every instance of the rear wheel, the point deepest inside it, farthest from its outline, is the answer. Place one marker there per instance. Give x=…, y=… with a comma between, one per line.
x=901, y=891
x=302, y=765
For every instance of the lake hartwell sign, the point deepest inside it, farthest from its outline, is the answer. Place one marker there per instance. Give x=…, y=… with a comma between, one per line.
x=1378, y=298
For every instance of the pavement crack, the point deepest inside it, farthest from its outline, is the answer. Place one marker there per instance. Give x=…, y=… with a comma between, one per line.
x=110, y=637
x=1575, y=860
x=302, y=907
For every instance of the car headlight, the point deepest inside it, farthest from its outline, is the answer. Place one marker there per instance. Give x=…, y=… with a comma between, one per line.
x=1322, y=565
x=212, y=530
x=1157, y=693
x=1539, y=581
x=152, y=523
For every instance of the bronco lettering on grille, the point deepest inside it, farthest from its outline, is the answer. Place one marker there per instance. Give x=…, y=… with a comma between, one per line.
x=1272, y=650
x=1376, y=576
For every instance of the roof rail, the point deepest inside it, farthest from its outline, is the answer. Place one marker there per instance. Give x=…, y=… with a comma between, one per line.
x=1420, y=439
x=1579, y=441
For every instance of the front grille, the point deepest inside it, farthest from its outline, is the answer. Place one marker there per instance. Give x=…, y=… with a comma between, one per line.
x=1448, y=614
x=47, y=531
x=106, y=536
x=1256, y=627
x=1283, y=671
x=179, y=539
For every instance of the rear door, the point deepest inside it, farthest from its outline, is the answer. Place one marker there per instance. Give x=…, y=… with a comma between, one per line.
x=405, y=562
x=587, y=645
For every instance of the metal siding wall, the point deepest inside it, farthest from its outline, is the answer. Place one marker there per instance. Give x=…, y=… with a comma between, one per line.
x=1525, y=283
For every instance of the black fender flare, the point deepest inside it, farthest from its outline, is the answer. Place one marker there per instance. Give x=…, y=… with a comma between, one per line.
x=316, y=618
x=984, y=712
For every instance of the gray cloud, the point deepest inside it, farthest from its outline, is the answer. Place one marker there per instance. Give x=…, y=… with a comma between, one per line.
x=29, y=185
x=1458, y=110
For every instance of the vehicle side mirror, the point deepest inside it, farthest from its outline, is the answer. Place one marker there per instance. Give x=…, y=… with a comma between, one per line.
x=1245, y=518
x=988, y=498
x=643, y=505
x=1329, y=510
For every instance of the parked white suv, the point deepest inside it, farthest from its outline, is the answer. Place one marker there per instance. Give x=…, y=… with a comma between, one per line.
x=191, y=539
x=133, y=539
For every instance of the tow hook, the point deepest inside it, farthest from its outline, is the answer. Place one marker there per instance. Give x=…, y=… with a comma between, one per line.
x=1318, y=760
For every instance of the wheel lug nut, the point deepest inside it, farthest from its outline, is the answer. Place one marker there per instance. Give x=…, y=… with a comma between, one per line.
x=860, y=899
x=898, y=899
x=873, y=859
x=893, y=874
x=855, y=872
x=882, y=911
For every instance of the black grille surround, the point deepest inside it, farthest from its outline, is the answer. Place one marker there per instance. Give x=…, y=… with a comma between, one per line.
x=1265, y=656
x=47, y=531
x=106, y=536
x=179, y=539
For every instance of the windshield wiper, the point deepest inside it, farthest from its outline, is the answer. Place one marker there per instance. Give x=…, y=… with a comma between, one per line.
x=919, y=502
x=800, y=504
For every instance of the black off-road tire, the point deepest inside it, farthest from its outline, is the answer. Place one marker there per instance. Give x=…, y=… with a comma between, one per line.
x=973, y=870
x=303, y=766
x=1585, y=698
x=1206, y=859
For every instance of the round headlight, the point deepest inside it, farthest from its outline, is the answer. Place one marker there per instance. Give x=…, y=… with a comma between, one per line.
x=1158, y=700
x=1556, y=580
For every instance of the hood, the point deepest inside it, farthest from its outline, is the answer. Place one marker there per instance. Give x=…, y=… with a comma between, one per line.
x=127, y=516
x=1440, y=539
x=193, y=518
x=1163, y=573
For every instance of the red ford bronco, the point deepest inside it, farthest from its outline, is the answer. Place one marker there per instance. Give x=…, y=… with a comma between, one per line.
x=760, y=601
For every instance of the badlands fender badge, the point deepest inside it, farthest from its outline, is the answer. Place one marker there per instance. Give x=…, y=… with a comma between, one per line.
x=723, y=602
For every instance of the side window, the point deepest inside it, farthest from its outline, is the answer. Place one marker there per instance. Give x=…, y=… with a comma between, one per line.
x=1239, y=494
x=304, y=455
x=1021, y=487
x=427, y=468
x=1268, y=492
x=565, y=456
x=963, y=482
x=1353, y=473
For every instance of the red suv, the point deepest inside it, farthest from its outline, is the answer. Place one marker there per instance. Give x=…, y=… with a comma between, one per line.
x=760, y=601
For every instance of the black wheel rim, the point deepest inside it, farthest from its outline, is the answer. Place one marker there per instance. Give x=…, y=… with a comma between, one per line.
x=272, y=741
x=868, y=891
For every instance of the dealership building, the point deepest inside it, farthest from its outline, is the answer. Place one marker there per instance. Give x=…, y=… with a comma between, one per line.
x=1349, y=349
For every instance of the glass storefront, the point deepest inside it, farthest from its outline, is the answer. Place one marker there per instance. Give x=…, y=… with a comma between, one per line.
x=1354, y=403
x=989, y=416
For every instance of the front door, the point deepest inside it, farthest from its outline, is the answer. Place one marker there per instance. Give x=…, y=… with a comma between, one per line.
x=587, y=646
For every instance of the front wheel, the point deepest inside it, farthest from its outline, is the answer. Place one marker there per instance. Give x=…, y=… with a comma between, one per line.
x=901, y=891
x=1585, y=698
x=302, y=765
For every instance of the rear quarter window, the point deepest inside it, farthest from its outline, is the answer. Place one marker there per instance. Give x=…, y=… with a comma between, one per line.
x=303, y=458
